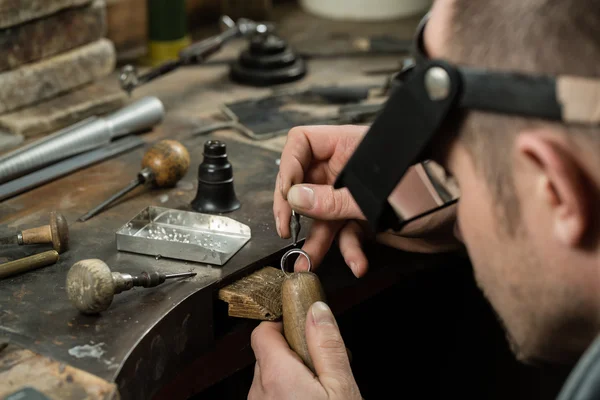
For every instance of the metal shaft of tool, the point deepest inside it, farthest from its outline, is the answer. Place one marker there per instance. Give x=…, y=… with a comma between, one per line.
x=295, y=227
x=159, y=71
x=132, y=185
x=65, y=167
x=181, y=275
x=195, y=54
x=123, y=281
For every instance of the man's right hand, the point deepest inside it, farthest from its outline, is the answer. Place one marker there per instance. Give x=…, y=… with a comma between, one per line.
x=311, y=160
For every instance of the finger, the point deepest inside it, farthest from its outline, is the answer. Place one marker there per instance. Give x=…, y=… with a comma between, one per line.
x=327, y=349
x=256, y=389
x=281, y=211
x=256, y=373
x=323, y=202
x=317, y=243
x=269, y=345
x=349, y=240
x=307, y=143
x=319, y=173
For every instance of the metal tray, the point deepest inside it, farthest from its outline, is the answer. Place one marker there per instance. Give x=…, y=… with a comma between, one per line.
x=183, y=235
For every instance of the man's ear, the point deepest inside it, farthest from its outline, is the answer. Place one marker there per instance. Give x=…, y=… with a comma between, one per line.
x=561, y=181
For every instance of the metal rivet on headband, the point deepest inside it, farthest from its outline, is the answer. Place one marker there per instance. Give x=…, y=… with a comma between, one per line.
x=437, y=83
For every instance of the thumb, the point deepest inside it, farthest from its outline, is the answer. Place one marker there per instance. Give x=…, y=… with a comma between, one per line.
x=327, y=349
x=323, y=202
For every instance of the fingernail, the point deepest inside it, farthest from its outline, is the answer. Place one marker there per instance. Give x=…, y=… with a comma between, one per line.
x=277, y=225
x=322, y=314
x=301, y=197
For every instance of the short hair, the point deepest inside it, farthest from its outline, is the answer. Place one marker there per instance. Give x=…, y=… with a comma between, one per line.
x=552, y=37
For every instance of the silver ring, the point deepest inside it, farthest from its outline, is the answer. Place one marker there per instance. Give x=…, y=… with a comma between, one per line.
x=295, y=251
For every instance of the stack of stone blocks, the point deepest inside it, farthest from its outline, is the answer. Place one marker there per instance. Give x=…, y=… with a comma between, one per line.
x=54, y=57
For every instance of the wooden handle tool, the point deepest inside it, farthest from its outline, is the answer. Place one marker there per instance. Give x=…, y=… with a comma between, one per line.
x=163, y=165
x=56, y=233
x=300, y=290
x=91, y=285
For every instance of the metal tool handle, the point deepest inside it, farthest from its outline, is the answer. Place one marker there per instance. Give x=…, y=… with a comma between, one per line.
x=86, y=135
x=28, y=263
x=143, y=114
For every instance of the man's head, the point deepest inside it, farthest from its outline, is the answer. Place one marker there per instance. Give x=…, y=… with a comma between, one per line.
x=529, y=188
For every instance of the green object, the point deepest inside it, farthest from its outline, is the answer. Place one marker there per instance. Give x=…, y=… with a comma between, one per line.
x=167, y=20
x=167, y=30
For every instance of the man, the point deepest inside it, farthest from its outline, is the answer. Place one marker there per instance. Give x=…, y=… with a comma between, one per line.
x=527, y=213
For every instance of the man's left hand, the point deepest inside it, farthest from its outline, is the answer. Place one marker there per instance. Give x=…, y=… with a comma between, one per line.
x=280, y=374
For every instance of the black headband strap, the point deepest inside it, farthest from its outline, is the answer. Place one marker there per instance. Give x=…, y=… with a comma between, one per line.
x=404, y=128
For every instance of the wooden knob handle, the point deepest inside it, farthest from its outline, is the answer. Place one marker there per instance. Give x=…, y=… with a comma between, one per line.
x=299, y=291
x=41, y=234
x=60, y=232
x=90, y=286
x=168, y=160
x=57, y=233
x=28, y=263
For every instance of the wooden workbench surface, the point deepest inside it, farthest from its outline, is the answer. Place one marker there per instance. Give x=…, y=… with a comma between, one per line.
x=148, y=334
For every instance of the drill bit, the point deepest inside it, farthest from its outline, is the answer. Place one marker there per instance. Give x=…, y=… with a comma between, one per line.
x=295, y=226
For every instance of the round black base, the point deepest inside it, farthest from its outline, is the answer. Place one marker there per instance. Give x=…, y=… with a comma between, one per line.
x=268, y=77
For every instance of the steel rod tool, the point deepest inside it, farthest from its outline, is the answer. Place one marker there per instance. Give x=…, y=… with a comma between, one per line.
x=86, y=135
x=129, y=78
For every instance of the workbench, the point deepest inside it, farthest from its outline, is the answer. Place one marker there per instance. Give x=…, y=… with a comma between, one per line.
x=176, y=340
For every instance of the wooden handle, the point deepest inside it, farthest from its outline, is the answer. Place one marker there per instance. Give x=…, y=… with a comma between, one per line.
x=168, y=160
x=42, y=234
x=28, y=263
x=299, y=291
x=59, y=231
x=90, y=286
